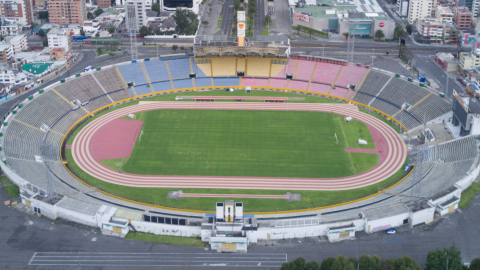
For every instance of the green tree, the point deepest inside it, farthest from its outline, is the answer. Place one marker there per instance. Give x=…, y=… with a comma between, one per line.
x=399, y=32
x=184, y=20
x=297, y=28
x=310, y=31
x=205, y=22
x=111, y=53
x=346, y=35
x=98, y=12
x=327, y=263
x=99, y=50
x=268, y=20
x=388, y=264
x=236, y=4
x=342, y=263
x=379, y=34
x=475, y=264
x=41, y=32
x=45, y=42
x=409, y=28
x=174, y=47
x=144, y=31
x=89, y=16
x=111, y=29
x=406, y=263
x=43, y=15
x=156, y=7
x=82, y=32
x=157, y=31
x=114, y=44
x=300, y=264
x=437, y=259
x=368, y=262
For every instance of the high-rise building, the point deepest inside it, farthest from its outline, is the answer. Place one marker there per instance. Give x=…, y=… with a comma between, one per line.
x=136, y=9
x=402, y=8
x=104, y=3
x=463, y=17
x=419, y=9
x=19, y=11
x=67, y=11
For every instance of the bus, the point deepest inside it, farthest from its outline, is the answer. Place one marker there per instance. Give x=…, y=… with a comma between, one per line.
x=79, y=38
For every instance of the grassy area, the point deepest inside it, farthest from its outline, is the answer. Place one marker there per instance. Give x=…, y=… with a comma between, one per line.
x=10, y=188
x=166, y=239
x=310, y=199
x=220, y=19
x=102, y=52
x=247, y=143
x=265, y=32
x=392, y=125
x=468, y=194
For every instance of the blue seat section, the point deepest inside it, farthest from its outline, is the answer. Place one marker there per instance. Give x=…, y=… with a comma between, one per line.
x=133, y=72
x=179, y=68
x=185, y=83
x=130, y=90
x=226, y=81
x=196, y=69
x=203, y=82
x=156, y=70
x=143, y=89
x=162, y=86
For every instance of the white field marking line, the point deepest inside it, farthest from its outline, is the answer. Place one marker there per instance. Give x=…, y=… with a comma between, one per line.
x=140, y=137
x=346, y=143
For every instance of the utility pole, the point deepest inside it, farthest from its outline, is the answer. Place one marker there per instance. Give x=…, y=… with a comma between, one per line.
x=373, y=55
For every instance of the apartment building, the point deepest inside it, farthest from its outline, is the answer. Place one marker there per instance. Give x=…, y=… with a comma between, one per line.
x=104, y=3
x=19, y=11
x=429, y=30
x=6, y=52
x=419, y=9
x=471, y=5
x=18, y=42
x=40, y=4
x=402, y=8
x=462, y=17
x=67, y=11
x=60, y=38
x=444, y=14
x=450, y=33
x=11, y=29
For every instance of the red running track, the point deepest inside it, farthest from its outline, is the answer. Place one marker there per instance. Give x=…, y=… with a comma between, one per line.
x=390, y=145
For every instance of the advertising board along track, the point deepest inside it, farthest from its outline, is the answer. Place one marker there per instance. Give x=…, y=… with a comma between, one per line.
x=392, y=152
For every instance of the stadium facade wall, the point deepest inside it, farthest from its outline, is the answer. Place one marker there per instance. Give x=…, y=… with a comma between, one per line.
x=165, y=229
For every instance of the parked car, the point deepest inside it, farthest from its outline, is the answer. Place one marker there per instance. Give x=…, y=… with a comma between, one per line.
x=391, y=231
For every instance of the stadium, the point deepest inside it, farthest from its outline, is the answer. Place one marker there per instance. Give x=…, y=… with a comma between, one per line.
x=246, y=140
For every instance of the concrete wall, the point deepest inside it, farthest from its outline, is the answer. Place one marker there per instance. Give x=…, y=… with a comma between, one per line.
x=77, y=217
x=46, y=209
x=385, y=223
x=165, y=229
x=422, y=216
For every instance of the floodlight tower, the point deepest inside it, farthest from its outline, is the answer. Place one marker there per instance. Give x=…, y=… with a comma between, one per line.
x=352, y=27
x=132, y=27
x=49, y=155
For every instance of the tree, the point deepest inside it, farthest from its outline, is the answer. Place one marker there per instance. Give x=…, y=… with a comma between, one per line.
x=111, y=29
x=437, y=259
x=368, y=262
x=300, y=264
x=82, y=32
x=475, y=264
x=342, y=263
x=99, y=50
x=327, y=263
x=45, y=42
x=399, y=32
x=205, y=23
x=89, y=16
x=236, y=4
x=298, y=28
x=310, y=31
x=41, y=32
x=98, y=12
x=43, y=15
x=184, y=20
x=157, y=31
x=144, y=31
x=379, y=34
x=346, y=35
x=111, y=53
x=114, y=44
x=409, y=28
x=406, y=263
x=268, y=20
x=174, y=47
x=156, y=7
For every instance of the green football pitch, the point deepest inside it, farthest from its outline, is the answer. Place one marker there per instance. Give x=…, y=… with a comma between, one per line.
x=247, y=143
x=242, y=143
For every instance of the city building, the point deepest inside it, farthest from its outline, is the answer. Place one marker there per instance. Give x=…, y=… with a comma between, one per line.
x=67, y=11
x=40, y=4
x=333, y=17
x=19, y=11
x=168, y=25
x=37, y=69
x=11, y=29
x=57, y=53
x=462, y=17
x=428, y=30
x=6, y=52
x=468, y=60
x=444, y=14
x=447, y=61
x=450, y=33
x=104, y=3
x=419, y=9
x=19, y=42
x=471, y=5
x=147, y=4
x=172, y=5
x=7, y=76
x=60, y=38
x=141, y=13
x=402, y=8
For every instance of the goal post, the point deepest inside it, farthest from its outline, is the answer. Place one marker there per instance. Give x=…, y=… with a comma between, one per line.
x=248, y=89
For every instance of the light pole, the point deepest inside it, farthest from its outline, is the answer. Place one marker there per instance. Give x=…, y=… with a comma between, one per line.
x=373, y=56
x=323, y=49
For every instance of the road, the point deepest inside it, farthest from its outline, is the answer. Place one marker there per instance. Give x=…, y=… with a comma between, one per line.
x=259, y=22
x=227, y=21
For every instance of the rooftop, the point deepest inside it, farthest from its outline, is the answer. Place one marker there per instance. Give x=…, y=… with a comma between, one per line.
x=4, y=46
x=384, y=211
x=120, y=213
x=57, y=31
x=452, y=200
x=443, y=193
x=79, y=206
x=444, y=10
x=36, y=68
x=347, y=226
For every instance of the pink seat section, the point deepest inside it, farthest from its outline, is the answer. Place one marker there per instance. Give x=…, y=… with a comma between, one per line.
x=254, y=82
x=350, y=74
x=325, y=72
x=290, y=68
x=115, y=139
x=319, y=88
x=350, y=94
x=298, y=85
x=339, y=92
x=304, y=70
x=278, y=83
